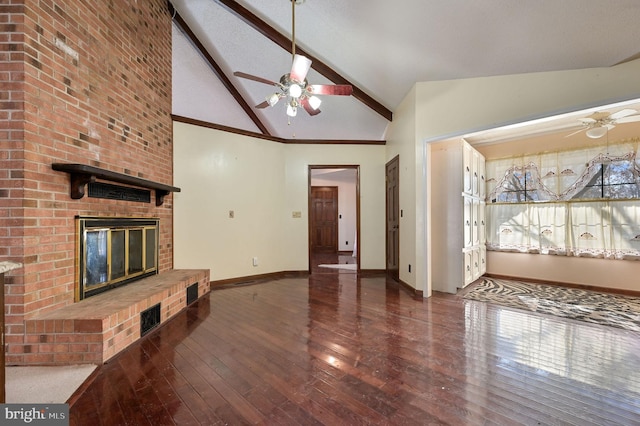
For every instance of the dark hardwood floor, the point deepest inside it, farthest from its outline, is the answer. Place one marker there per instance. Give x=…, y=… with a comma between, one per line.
x=336, y=349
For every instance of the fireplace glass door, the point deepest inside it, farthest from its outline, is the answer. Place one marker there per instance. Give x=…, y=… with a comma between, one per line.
x=114, y=251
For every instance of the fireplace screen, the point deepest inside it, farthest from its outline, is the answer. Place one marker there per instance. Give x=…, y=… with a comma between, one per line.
x=115, y=251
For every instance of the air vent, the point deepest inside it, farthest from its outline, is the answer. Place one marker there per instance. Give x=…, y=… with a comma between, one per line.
x=149, y=319
x=192, y=293
x=117, y=192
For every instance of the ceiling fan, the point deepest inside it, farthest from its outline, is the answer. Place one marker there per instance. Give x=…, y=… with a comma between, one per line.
x=598, y=123
x=294, y=85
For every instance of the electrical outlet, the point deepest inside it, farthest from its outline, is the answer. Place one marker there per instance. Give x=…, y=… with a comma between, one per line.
x=231, y=214
x=255, y=261
x=296, y=215
x=346, y=242
x=409, y=267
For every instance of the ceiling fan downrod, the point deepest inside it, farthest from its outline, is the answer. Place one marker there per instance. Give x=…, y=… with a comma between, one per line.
x=293, y=29
x=293, y=26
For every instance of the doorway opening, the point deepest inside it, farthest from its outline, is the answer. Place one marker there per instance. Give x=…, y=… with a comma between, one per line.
x=334, y=218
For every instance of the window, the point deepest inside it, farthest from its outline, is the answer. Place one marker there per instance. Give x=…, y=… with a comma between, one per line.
x=612, y=180
x=577, y=203
x=522, y=184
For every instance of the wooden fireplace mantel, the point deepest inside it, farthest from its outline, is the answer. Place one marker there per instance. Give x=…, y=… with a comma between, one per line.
x=82, y=174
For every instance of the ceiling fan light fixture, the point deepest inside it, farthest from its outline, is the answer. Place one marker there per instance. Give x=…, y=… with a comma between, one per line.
x=315, y=102
x=272, y=99
x=294, y=86
x=295, y=90
x=597, y=132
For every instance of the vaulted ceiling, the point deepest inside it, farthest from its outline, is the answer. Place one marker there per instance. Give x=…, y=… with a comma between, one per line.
x=382, y=48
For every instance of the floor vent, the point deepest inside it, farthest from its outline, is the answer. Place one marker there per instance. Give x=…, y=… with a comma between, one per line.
x=149, y=319
x=192, y=293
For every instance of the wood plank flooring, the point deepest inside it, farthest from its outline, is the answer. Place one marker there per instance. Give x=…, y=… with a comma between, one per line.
x=338, y=349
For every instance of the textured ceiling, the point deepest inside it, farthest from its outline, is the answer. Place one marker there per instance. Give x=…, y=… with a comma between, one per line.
x=384, y=48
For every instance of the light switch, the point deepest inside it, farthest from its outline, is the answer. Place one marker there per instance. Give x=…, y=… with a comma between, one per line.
x=231, y=214
x=296, y=215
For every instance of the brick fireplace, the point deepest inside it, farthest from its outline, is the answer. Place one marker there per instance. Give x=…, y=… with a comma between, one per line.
x=83, y=83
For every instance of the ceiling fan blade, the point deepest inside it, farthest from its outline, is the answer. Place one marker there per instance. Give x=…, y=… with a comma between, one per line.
x=262, y=105
x=330, y=89
x=255, y=78
x=299, y=68
x=307, y=107
x=587, y=120
x=623, y=113
x=628, y=119
x=574, y=133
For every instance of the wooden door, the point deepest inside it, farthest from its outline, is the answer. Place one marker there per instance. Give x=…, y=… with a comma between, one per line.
x=393, y=219
x=324, y=219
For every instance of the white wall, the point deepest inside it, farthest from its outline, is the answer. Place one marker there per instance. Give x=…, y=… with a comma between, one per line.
x=218, y=172
x=345, y=180
x=263, y=182
x=605, y=273
x=444, y=109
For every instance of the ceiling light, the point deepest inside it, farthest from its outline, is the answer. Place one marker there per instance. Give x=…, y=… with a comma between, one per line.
x=315, y=102
x=273, y=99
x=291, y=110
x=295, y=90
x=597, y=132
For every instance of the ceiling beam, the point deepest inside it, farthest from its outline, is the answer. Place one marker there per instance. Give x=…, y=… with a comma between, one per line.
x=243, y=132
x=217, y=70
x=629, y=59
x=285, y=43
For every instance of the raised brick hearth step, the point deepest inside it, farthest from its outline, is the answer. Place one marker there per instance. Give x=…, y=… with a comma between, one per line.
x=95, y=329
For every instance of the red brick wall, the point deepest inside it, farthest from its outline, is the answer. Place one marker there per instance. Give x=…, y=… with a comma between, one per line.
x=81, y=82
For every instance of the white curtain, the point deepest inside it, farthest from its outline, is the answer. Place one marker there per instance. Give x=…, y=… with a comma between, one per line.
x=606, y=229
x=549, y=204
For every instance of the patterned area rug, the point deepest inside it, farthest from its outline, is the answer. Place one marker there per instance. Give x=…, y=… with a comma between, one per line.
x=584, y=305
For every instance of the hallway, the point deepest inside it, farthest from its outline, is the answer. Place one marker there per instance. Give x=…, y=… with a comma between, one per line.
x=331, y=259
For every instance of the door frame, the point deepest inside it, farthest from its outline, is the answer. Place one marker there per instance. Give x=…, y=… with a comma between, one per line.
x=358, y=241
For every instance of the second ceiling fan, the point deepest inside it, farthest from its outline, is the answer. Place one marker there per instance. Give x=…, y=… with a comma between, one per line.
x=294, y=86
x=598, y=123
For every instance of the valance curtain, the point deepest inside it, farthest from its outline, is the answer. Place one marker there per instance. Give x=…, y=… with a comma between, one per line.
x=575, y=203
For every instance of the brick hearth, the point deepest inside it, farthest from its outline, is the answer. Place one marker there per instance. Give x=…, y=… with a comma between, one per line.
x=95, y=329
